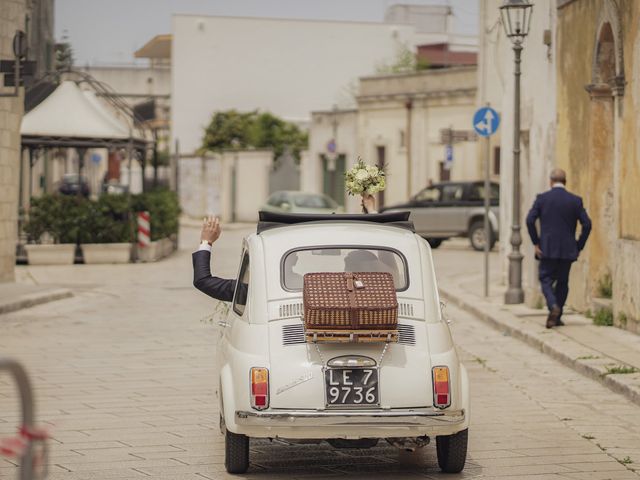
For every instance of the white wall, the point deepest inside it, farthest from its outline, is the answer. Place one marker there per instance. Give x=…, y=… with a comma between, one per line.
x=320, y=133
x=537, y=122
x=205, y=184
x=441, y=99
x=288, y=67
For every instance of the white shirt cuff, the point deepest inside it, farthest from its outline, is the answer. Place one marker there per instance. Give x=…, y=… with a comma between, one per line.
x=204, y=246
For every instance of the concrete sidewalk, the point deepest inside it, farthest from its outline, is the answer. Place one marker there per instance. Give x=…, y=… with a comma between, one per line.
x=16, y=296
x=600, y=353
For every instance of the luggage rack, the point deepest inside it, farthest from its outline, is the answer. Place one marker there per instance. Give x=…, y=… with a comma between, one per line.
x=350, y=336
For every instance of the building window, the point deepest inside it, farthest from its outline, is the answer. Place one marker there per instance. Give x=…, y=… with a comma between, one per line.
x=496, y=160
x=445, y=174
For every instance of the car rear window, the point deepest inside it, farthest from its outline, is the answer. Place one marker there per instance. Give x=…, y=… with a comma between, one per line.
x=296, y=263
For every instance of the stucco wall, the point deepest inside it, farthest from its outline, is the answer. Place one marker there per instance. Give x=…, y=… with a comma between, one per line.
x=320, y=133
x=537, y=119
x=441, y=99
x=206, y=184
x=11, y=110
x=290, y=67
x=598, y=145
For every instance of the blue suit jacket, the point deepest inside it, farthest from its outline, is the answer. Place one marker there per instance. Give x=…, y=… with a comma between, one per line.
x=559, y=212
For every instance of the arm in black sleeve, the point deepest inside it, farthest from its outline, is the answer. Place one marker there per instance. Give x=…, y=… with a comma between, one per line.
x=585, y=224
x=533, y=215
x=216, y=287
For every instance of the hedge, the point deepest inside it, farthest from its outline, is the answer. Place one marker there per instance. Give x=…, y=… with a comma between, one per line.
x=110, y=219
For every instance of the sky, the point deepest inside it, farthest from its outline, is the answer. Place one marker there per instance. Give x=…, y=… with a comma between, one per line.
x=109, y=31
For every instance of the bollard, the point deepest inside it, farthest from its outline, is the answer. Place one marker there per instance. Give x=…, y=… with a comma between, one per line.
x=144, y=229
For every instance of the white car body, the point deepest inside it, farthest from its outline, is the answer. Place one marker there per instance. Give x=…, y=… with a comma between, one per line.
x=269, y=334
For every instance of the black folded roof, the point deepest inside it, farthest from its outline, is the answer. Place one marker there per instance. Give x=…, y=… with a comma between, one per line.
x=269, y=220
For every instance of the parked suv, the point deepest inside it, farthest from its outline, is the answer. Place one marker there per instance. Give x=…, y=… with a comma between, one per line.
x=453, y=209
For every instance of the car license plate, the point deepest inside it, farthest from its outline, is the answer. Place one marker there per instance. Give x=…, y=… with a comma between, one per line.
x=351, y=387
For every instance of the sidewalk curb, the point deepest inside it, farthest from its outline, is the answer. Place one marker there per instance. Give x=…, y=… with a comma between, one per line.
x=33, y=299
x=594, y=372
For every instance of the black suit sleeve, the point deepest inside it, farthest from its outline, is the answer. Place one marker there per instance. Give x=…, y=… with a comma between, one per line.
x=216, y=287
x=585, y=224
x=533, y=215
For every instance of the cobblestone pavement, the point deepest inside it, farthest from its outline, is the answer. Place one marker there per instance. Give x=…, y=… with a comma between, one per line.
x=123, y=374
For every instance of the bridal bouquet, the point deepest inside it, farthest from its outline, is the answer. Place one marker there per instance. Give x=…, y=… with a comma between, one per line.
x=364, y=179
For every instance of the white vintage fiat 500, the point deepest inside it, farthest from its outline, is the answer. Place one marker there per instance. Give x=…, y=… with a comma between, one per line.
x=274, y=383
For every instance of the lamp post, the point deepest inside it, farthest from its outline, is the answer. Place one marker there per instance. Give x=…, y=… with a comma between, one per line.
x=516, y=17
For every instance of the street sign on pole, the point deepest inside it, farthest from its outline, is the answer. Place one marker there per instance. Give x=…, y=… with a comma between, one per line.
x=448, y=158
x=485, y=123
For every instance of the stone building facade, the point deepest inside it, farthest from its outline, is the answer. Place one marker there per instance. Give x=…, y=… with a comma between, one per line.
x=400, y=123
x=598, y=143
x=34, y=17
x=12, y=18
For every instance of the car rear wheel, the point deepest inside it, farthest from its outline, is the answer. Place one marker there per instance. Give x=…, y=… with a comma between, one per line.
x=477, y=236
x=452, y=451
x=236, y=452
x=434, y=242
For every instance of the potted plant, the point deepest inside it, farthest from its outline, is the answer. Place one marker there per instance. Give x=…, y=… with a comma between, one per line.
x=105, y=230
x=52, y=229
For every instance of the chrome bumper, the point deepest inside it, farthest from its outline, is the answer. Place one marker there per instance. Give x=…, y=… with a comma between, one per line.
x=420, y=417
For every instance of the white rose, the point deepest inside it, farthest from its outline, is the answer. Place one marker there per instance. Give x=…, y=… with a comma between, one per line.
x=362, y=175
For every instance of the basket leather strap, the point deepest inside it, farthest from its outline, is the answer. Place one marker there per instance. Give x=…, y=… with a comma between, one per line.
x=352, y=300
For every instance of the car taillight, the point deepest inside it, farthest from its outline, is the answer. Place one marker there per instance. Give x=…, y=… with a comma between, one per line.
x=441, y=391
x=259, y=388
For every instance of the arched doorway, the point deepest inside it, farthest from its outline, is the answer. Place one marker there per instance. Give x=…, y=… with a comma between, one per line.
x=600, y=197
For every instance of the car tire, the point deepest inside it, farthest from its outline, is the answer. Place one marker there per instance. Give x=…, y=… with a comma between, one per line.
x=236, y=452
x=434, y=242
x=452, y=451
x=477, y=236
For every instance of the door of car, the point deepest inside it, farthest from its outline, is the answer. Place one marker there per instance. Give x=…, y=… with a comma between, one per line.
x=423, y=208
x=453, y=209
x=234, y=313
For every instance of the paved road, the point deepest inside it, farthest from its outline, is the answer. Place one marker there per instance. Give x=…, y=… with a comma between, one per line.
x=124, y=374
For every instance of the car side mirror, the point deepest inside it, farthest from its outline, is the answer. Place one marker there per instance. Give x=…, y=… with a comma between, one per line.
x=285, y=206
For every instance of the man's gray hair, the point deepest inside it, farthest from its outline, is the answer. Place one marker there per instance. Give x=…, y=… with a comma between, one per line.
x=558, y=175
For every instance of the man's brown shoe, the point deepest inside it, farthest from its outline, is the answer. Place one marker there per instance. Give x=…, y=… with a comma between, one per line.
x=554, y=316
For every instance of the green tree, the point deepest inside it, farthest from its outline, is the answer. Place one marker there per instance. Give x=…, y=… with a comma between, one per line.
x=243, y=130
x=405, y=61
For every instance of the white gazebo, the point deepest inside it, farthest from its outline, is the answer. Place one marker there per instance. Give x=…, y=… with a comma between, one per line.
x=74, y=118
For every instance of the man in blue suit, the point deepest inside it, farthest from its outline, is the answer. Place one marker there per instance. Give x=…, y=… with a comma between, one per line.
x=556, y=247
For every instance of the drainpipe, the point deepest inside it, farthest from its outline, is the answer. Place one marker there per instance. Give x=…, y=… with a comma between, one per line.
x=409, y=106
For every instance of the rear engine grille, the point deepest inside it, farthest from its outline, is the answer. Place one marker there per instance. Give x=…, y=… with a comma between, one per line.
x=406, y=334
x=405, y=309
x=294, y=334
x=287, y=310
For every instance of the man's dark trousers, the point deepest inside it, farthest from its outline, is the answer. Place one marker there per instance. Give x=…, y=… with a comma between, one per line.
x=554, y=280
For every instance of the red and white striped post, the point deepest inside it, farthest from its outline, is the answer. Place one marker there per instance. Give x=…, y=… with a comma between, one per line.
x=144, y=229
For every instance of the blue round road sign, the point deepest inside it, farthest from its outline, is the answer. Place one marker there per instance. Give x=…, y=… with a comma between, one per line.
x=486, y=121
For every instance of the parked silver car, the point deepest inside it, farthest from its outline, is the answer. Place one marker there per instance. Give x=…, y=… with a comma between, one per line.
x=291, y=201
x=453, y=209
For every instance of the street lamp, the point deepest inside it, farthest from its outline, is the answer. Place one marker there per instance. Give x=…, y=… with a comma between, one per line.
x=516, y=17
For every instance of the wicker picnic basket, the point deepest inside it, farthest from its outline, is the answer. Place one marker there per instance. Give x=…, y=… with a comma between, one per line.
x=350, y=307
